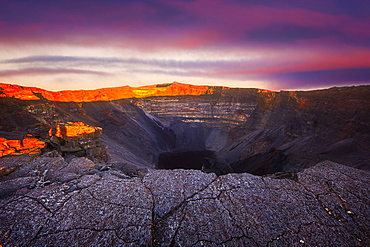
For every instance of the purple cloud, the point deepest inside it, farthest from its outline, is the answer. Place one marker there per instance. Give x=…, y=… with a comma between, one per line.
x=47, y=71
x=331, y=35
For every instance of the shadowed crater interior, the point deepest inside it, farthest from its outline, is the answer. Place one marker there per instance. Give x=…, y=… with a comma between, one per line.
x=204, y=160
x=200, y=160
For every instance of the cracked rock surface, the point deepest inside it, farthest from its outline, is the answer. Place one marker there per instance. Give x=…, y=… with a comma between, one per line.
x=326, y=205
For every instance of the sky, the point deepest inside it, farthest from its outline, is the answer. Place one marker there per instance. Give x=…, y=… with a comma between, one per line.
x=276, y=45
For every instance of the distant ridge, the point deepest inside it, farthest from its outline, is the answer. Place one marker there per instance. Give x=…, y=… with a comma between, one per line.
x=104, y=94
x=124, y=92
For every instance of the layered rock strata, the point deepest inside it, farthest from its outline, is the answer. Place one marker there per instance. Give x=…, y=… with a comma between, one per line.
x=326, y=205
x=282, y=130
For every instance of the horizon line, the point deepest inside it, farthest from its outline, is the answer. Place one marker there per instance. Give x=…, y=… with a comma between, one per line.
x=184, y=83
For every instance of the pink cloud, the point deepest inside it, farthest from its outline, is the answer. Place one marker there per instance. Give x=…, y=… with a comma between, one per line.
x=217, y=24
x=288, y=39
x=289, y=62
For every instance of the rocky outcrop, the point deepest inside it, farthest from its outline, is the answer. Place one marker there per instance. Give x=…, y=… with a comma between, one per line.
x=27, y=145
x=132, y=135
x=78, y=139
x=326, y=205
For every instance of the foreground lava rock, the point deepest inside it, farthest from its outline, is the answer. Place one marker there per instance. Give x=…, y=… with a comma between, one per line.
x=328, y=204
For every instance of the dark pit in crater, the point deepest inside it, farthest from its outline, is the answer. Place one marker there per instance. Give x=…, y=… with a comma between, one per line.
x=199, y=160
x=205, y=160
x=260, y=164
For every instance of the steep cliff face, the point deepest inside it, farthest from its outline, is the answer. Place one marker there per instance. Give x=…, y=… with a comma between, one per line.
x=251, y=128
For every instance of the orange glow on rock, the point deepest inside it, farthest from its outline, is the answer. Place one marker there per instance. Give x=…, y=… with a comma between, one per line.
x=18, y=147
x=104, y=94
x=72, y=129
x=300, y=101
x=266, y=98
x=303, y=102
x=18, y=92
x=264, y=91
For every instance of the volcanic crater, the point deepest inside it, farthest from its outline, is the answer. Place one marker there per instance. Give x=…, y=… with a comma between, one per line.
x=214, y=129
x=145, y=145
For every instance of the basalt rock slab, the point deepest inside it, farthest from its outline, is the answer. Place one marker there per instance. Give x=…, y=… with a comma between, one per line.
x=326, y=205
x=26, y=174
